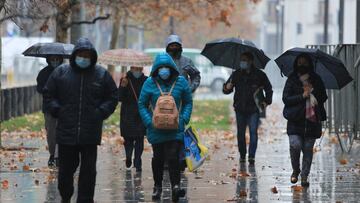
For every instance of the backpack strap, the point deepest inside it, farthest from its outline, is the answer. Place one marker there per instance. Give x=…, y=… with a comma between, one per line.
x=161, y=92
x=133, y=90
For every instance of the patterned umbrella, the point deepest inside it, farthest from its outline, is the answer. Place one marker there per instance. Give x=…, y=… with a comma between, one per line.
x=125, y=57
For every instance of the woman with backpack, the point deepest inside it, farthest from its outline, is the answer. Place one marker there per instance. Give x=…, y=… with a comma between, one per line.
x=165, y=106
x=304, y=97
x=131, y=126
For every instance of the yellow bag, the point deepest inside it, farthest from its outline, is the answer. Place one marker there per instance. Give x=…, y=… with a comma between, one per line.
x=195, y=152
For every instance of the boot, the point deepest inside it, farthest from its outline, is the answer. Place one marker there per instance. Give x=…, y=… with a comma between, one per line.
x=177, y=193
x=156, y=195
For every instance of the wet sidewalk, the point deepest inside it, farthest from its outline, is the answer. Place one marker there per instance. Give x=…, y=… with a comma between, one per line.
x=24, y=178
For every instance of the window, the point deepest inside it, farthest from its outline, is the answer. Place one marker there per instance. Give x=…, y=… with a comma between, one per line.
x=271, y=46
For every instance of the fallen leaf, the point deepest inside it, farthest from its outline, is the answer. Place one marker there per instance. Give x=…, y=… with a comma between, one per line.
x=5, y=184
x=243, y=174
x=37, y=182
x=343, y=161
x=297, y=188
x=274, y=190
x=26, y=168
x=242, y=193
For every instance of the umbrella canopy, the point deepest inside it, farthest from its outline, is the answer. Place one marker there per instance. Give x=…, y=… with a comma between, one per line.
x=331, y=69
x=125, y=57
x=226, y=52
x=49, y=49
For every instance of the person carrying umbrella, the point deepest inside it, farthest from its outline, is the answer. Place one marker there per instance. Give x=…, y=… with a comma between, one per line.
x=247, y=80
x=131, y=126
x=50, y=122
x=81, y=95
x=309, y=72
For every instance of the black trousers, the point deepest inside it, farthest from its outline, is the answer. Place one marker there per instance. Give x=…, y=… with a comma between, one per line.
x=132, y=143
x=69, y=158
x=166, y=151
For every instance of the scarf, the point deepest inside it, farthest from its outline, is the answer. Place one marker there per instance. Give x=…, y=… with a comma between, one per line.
x=311, y=102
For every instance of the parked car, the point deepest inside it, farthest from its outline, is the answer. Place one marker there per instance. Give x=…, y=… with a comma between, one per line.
x=211, y=76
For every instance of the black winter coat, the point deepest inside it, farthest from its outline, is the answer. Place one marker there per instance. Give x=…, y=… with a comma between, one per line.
x=131, y=124
x=80, y=99
x=245, y=86
x=41, y=80
x=295, y=104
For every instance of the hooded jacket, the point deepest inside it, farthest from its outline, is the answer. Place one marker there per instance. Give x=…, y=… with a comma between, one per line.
x=130, y=121
x=150, y=93
x=185, y=65
x=80, y=98
x=295, y=104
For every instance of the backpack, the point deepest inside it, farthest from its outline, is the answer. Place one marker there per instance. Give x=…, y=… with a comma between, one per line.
x=165, y=114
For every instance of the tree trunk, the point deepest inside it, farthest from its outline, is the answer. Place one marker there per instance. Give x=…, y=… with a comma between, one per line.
x=115, y=34
x=62, y=22
x=124, y=40
x=77, y=14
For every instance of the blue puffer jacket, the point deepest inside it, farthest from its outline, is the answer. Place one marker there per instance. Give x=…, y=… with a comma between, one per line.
x=150, y=93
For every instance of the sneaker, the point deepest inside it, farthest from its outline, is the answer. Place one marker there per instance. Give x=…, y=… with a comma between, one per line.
x=305, y=181
x=251, y=160
x=156, y=195
x=177, y=192
x=51, y=162
x=128, y=164
x=294, y=177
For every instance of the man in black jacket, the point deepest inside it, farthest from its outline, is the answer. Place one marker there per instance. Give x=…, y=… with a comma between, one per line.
x=81, y=95
x=50, y=121
x=247, y=80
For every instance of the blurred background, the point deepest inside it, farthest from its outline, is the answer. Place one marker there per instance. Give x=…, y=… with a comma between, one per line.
x=273, y=25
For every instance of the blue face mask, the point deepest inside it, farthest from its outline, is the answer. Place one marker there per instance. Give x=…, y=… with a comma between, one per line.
x=137, y=74
x=244, y=65
x=164, y=73
x=82, y=62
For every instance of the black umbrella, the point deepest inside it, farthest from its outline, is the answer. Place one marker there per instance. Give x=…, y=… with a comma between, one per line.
x=226, y=52
x=331, y=69
x=49, y=49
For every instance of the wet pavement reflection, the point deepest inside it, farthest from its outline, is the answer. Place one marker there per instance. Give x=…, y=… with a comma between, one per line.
x=220, y=179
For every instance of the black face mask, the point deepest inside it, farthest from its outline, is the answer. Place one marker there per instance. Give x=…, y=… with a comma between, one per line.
x=175, y=53
x=302, y=69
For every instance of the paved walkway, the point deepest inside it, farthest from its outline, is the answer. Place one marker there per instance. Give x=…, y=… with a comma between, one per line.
x=221, y=179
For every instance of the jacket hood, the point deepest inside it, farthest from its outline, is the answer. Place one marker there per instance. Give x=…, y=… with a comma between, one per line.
x=173, y=39
x=83, y=44
x=164, y=59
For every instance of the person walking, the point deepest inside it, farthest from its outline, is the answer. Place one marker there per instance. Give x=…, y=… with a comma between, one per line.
x=304, y=96
x=80, y=95
x=165, y=86
x=247, y=80
x=131, y=127
x=50, y=122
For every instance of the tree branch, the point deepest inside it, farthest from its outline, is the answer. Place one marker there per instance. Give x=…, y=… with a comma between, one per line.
x=92, y=21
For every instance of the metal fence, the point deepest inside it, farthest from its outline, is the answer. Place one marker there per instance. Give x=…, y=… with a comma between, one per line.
x=343, y=105
x=19, y=101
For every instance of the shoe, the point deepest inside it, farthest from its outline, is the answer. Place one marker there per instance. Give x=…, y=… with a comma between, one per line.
x=177, y=192
x=139, y=169
x=65, y=201
x=305, y=182
x=51, y=162
x=242, y=160
x=128, y=164
x=251, y=160
x=294, y=177
x=156, y=195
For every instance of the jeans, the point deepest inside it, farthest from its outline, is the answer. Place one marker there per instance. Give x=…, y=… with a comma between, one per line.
x=297, y=144
x=136, y=143
x=69, y=159
x=243, y=120
x=166, y=151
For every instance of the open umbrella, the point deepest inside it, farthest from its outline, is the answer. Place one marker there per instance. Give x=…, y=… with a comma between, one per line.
x=331, y=69
x=226, y=52
x=49, y=49
x=125, y=57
